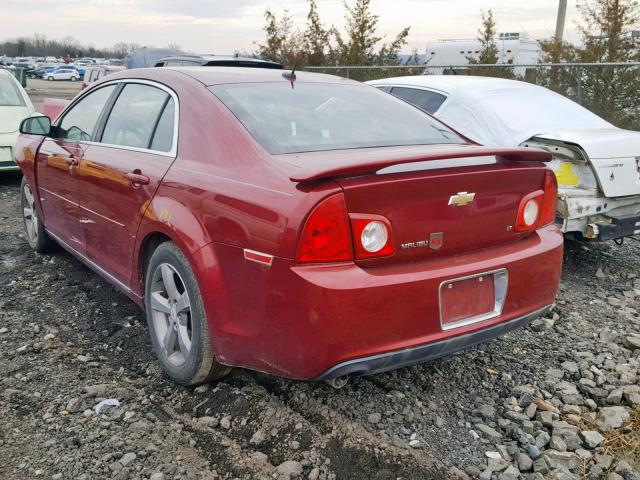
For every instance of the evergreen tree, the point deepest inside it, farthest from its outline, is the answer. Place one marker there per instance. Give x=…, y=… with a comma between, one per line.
x=362, y=39
x=489, y=54
x=319, y=45
x=606, y=90
x=316, y=37
x=283, y=44
x=272, y=47
x=489, y=50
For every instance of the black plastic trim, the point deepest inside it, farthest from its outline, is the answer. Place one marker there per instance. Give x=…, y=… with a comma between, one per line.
x=424, y=353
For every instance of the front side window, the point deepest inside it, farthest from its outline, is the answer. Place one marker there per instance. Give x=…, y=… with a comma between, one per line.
x=424, y=99
x=318, y=116
x=80, y=122
x=134, y=116
x=10, y=95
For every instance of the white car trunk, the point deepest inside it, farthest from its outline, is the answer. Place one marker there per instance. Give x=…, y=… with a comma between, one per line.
x=614, y=154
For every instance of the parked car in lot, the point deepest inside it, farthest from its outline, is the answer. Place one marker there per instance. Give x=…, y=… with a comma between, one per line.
x=81, y=67
x=40, y=72
x=14, y=107
x=314, y=232
x=63, y=73
x=25, y=66
x=93, y=74
x=596, y=163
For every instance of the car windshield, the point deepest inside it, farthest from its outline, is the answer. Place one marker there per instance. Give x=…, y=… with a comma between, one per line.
x=321, y=116
x=10, y=95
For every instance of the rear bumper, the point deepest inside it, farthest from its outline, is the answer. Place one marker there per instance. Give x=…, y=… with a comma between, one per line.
x=322, y=321
x=614, y=227
x=599, y=218
x=7, y=151
x=424, y=353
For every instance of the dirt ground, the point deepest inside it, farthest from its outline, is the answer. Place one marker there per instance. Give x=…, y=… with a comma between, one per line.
x=531, y=405
x=39, y=89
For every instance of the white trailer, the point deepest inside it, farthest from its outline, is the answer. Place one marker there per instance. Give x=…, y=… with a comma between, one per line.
x=516, y=48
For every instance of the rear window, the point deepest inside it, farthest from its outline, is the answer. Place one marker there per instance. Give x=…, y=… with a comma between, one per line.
x=318, y=116
x=10, y=95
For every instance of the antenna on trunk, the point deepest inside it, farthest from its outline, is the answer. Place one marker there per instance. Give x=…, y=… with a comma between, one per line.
x=291, y=76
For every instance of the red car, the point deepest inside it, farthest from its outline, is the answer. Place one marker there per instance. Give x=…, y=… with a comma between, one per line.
x=303, y=225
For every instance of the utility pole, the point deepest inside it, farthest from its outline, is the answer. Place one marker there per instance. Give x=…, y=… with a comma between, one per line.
x=562, y=15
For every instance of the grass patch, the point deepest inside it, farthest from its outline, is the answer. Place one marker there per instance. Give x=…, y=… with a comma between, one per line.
x=624, y=445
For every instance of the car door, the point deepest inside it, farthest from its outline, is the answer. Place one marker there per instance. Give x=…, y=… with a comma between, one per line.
x=58, y=161
x=427, y=100
x=121, y=173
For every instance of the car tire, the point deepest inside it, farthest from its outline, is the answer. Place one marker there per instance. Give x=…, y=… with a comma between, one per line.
x=50, y=79
x=32, y=77
x=177, y=320
x=34, y=230
x=73, y=79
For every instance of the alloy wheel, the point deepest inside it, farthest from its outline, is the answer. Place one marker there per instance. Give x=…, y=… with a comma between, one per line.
x=171, y=314
x=30, y=215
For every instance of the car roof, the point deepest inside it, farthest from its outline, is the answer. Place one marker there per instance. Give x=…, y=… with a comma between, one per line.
x=227, y=75
x=498, y=111
x=211, y=60
x=450, y=83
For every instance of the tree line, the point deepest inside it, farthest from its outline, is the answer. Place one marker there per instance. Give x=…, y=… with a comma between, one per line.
x=67, y=47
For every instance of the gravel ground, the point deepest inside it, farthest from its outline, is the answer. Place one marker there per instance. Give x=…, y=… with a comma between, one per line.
x=558, y=399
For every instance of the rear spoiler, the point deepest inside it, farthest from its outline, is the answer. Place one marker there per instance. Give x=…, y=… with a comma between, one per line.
x=360, y=162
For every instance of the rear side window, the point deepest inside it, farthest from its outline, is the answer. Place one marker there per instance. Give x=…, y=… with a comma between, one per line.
x=134, y=116
x=80, y=122
x=424, y=99
x=163, y=136
x=319, y=116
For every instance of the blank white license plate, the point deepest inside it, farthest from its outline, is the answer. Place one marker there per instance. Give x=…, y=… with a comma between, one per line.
x=5, y=155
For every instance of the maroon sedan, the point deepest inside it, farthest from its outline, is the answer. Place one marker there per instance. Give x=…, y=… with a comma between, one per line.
x=309, y=227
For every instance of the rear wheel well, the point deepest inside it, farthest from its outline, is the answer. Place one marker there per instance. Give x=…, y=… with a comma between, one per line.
x=149, y=245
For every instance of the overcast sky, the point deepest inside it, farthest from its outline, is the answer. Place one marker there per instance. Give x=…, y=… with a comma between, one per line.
x=224, y=26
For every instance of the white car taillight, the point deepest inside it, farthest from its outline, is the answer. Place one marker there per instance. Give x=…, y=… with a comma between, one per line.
x=374, y=236
x=531, y=211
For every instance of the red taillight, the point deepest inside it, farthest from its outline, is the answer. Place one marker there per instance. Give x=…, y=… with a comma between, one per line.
x=529, y=211
x=326, y=236
x=538, y=208
x=371, y=236
x=548, y=213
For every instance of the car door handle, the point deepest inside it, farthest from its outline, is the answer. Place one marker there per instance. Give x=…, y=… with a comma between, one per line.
x=138, y=179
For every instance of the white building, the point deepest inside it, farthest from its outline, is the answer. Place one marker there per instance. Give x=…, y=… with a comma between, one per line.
x=516, y=48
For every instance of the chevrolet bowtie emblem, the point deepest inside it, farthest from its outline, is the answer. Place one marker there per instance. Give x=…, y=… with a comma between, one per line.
x=461, y=199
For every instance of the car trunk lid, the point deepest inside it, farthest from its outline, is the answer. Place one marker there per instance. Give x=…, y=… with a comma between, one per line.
x=613, y=153
x=439, y=202
x=10, y=118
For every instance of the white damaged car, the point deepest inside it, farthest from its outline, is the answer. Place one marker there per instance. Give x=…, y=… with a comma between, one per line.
x=597, y=164
x=15, y=106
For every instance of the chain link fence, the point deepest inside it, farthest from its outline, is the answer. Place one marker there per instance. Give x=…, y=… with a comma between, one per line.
x=611, y=90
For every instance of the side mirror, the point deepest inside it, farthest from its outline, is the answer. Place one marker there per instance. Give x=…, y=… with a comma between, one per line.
x=36, y=126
